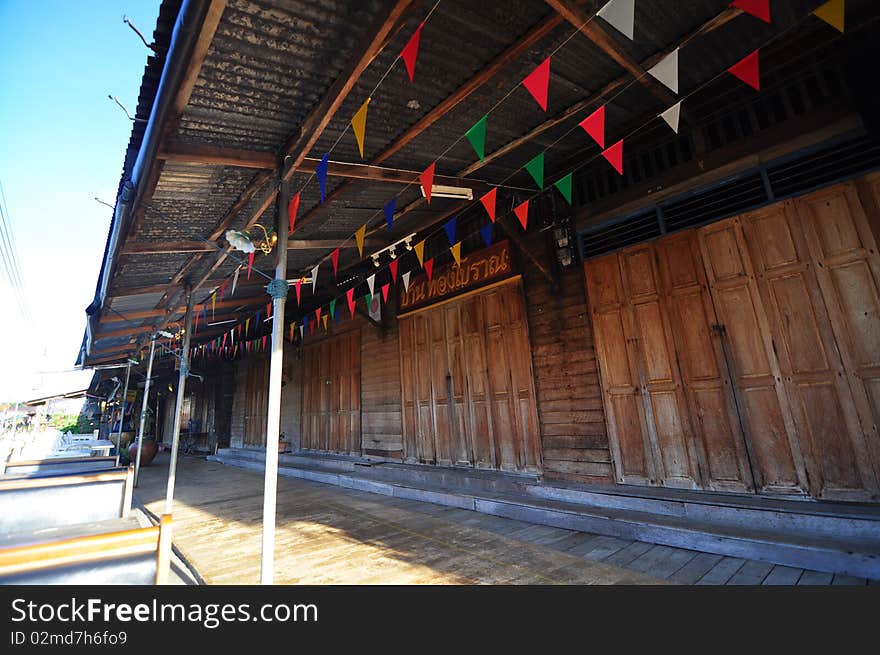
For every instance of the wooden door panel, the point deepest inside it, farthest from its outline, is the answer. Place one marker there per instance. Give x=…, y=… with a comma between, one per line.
x=441, y=387
x=765, y=410
x=257, y=406
x=480, y=427
x=460, y=449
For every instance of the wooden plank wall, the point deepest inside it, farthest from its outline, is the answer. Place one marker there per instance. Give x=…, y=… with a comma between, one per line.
x=381, y=417
x=571, y=418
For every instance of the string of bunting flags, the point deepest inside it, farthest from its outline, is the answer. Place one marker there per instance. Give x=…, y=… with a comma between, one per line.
x=620, y=15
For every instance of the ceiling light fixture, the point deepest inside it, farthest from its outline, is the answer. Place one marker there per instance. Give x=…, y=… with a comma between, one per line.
x=442, y=191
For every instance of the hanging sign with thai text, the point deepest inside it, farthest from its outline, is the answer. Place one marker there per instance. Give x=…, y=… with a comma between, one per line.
x=476, y=270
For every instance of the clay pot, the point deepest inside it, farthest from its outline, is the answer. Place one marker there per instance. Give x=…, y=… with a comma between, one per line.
x=149, y=448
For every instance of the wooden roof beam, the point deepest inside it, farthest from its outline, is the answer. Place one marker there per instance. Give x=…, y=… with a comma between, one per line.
x=166, y=247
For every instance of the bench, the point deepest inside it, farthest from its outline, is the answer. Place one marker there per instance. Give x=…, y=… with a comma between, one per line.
x=57, y=466
x=28, y=504
x=130, y=556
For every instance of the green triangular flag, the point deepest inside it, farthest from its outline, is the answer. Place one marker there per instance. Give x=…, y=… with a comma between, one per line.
x=477, y=136
x=536, y=170
x=333, y=309
x=564, y=186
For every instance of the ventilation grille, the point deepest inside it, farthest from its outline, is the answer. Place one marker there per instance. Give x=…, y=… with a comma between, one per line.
x=824, y=168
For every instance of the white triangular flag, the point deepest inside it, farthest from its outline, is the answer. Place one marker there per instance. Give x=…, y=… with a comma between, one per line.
x=672, y=115
x=302, y=332
x=405, y=277
x=315, y=277
x=621, y=15
x=666, y=71
x=232, y=337
x=371, y=281
x=235, y=280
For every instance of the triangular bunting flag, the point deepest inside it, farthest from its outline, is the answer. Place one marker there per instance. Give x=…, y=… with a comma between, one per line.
x=594, y=125
x=385, y=288
x=250, y=263
x=620, y=14
x=389, y=212
x=427, y=180
x=757, y=8
x=306, y=324
x=411, y=51
x=318, y=314
x=748, y=70
x=298, y=288
x=359, y=124
x=456, y=252
x=405, y=278
x=672, y=115
x=334, y=257
x=536, y=169
x=614, y=155
x=666, y=71
x=213, y=305
x=371, y=282
x=315, y=278
x=522, y=213
x=429, y=268
x=392, y=266
x=302, y=332
x=477, y=136
x=268, y=310
x=234, y=281
x=350, y=296
x=325, y=317
x=292, y=327
x=833, y=13
x=321, y=172
x=292, y=209
x=359, y=236
x=420, y=252
x=332, y=309
x=247, y=326
x=486, y=233
x=488, y=201
x=222, y=290
x=263, y=340
x=450, y=229
x=538, y=82
x=564, y=186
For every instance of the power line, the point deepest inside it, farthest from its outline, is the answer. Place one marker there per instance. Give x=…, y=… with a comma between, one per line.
x=10, y=257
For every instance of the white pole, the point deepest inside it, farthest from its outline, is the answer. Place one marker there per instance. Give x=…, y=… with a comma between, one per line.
x=144, y=406
x=273, y=422
x=122, y=409
x=181, y=387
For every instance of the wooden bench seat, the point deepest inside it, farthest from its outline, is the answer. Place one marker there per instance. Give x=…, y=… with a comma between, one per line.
x=57, y=466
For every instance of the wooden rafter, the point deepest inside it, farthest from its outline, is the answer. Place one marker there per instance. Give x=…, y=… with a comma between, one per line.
x=165, y=247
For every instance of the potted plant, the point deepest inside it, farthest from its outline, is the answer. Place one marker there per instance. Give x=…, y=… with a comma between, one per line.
x=282, y=443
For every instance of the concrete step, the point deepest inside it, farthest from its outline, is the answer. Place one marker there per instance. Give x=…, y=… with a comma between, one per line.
x=695, y=528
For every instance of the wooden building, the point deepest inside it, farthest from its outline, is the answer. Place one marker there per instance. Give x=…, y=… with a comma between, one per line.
x=708, y=320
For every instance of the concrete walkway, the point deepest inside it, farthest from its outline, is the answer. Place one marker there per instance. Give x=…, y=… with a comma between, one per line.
x=331, y=535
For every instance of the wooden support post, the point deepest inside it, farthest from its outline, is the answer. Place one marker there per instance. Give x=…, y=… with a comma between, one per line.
x=122, y=409
x=181, y=388
x=140, y=437
x=273, y=420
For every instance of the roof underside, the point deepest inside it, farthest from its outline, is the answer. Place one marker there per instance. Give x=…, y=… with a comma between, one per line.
x=271, y=62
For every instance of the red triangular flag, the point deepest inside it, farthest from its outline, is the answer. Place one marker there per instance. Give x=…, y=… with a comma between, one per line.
x=747, y=69
x=393, y=268
x=385, y=288
x=594, y=125
x=538, y=81
x=522, y=213
x=318, y=315
x=298, y=286
x=757, y=8
x=250, y=263
x=268, y=310
x=411, y=51
x=488, y=201
x=614, y=155
x=292, y=209
x=263, y=342
x=429, y=268
x=427, y=180
x=334, y=257
x=350, y=295
x=223, y=289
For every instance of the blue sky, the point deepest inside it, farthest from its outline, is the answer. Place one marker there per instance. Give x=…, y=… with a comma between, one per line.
x=62, y=143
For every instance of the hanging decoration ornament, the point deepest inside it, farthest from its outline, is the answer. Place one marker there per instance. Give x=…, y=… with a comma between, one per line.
x=477, y=137
x=359, y=237
x=359, y=125
x=564, y=186
x=332, y=309
x=672, y=115
x=538, y=83
x=321, y=172
x=522, y=213
x=832, y=12
x=614, y=156
x=315, y=278
x=488, y=202
x=748, y=70
x=334, y=257
x=757, y=8
x=486, y=233
x=420, y=251
x=449, y=228
x=411, y=51
x=392, y=266
x=292, y=209
x=405, y=278
x=389, y=211
x=385, y=288
x=456, y=252
x=427, y=181
x=351, y=301
x=621, y=15
x=594, y=125
x=429, y=268
x=250, y=264
x=666, y=71
x=535, y=167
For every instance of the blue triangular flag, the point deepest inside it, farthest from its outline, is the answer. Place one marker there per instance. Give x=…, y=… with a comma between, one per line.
x=450, y=230
x=486, y=232
x=306, y=321
x=257, y=317
x=321, y=172
x=389, y=211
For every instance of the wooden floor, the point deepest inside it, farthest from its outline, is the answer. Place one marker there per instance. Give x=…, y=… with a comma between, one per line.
x=330, y=535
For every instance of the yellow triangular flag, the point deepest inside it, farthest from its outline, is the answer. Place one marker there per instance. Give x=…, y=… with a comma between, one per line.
x=420, y=252
x=359, y=237
x=832, y=12
x=456, y=253
x=247, y=325
x=213, y=304
x=359, y=124
x=325, y=322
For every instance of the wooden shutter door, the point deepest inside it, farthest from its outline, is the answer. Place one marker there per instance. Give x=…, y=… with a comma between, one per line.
x=479, y=411
x=257, y=389
x=621, y=388
x=776, y=458
x=848, y=271
x=721, y=446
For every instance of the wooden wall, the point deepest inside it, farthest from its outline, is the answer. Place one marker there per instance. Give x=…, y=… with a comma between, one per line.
x=570, y=414
x=381, y=418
